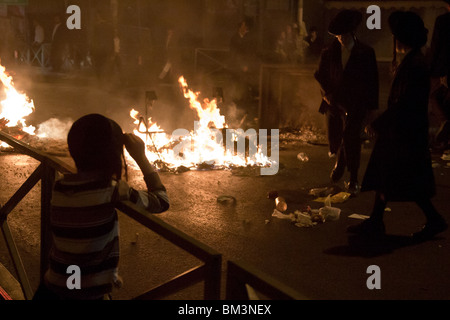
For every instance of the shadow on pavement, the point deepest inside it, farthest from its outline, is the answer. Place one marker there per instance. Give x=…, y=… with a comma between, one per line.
x=360, y=246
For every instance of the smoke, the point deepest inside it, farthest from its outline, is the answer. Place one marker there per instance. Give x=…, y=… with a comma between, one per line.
x=54, y=129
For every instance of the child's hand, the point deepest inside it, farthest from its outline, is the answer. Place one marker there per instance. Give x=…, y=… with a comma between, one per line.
x=135, y=146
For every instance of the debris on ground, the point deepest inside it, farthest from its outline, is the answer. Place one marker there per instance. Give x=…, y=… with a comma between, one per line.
x=226, y=200
x=283, y=216
x=303, y=157
x=310, y=135
x=358, y=216
x=281, y=204
x=322, y=192
x=340, y=197
x=309, y=217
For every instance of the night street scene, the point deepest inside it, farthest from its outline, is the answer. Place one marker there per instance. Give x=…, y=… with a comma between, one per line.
x=233, y=151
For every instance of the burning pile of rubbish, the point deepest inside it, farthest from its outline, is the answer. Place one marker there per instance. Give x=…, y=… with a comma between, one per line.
x=211, y=145
x=14, y=108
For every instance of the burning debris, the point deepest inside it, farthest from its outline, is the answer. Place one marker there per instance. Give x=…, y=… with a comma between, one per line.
x=15, y=107
x=210, y=146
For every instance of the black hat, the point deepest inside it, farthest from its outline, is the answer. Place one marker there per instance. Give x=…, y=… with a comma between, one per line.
x=408, y=28
x=345, y=21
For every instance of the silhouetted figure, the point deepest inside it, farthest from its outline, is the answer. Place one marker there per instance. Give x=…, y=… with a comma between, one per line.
x=58, y=46
x=440, y=72
x=171, y=57
x=38, y=35
x=315, y=45
x=400, y=166
x=102, y=46
x=348, y=75
x=84, y=223
x=243, y=65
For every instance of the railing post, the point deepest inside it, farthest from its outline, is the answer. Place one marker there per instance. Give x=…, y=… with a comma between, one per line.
x=213, y=275
x=48, y=179
x=17, y=261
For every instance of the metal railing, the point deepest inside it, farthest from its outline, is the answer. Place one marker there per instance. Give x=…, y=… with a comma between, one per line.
x=240, y=275
x=215, y=62
x=209, y=272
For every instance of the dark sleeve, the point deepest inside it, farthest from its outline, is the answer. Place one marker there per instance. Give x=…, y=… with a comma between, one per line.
x=438, y=42
x=322, y=75
x=373, y=88
x=406, y=113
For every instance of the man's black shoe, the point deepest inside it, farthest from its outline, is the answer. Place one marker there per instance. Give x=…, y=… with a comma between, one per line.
x=353, y=188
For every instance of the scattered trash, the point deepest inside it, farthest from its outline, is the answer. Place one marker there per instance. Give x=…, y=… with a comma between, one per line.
x=309, y=217
x=206, y=166
x=182, y=169
x=435, y=165
x=280, y=215
x=321, y=192
x=329, y=213
x=281, y=204
x=303, y=157
x=303, y=220
x=359, y=216
x=446, y=157
x=387, y=210
x=337, y=198
x=226, y=200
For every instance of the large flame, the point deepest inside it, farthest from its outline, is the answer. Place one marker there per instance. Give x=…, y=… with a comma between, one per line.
x=206, y=144
x=16, y=106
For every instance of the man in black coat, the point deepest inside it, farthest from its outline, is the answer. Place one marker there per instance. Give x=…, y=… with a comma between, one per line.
x=400, y=166
x=348, y=75
x=440, y=69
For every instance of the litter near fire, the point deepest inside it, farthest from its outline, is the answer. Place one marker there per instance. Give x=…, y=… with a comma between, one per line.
x=309, y=217
x=304, y=218
x=340, y=197
x=302, y=157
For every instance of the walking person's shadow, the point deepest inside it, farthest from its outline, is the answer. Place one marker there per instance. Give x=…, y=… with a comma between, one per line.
x=366, y=247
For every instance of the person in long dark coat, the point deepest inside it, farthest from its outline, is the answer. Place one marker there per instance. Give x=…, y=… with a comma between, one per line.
x=348, y=76
x=440, y=71
x=400, y=168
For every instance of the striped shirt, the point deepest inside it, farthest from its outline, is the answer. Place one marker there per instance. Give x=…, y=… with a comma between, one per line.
x=85, y=230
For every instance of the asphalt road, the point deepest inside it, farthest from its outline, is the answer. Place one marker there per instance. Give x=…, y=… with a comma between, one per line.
x=321, y=262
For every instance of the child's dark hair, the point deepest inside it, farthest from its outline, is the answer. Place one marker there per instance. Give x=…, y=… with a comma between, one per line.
x=96, y=143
